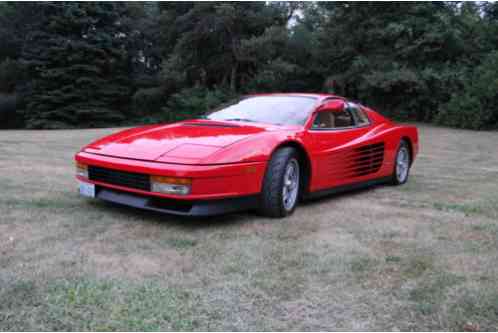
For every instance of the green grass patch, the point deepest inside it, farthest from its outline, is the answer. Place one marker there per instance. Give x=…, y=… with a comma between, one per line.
x=87, y=305
x=486, y=207
x=393, y=259
x=429, y=290
x=466, y=208
x=18, y=294
x=7, y=184
x=476, y=306
x=283, y=274
x=41, y=203
x=180, y=243
x=361, y=266
x=487, y=227
x=487, y=239
x=416, y=266
x=429, y=294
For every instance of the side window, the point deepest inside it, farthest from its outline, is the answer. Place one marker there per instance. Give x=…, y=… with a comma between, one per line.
x=359, y=115
x=333, y=119
x=324, y=120
x=343, y=119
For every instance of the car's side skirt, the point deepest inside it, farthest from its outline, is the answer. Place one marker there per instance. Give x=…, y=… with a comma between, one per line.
x=345, y=188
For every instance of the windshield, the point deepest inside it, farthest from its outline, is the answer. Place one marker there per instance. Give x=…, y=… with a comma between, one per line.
x=277, y=110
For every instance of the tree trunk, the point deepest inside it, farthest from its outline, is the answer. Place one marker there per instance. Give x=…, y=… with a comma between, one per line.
x=233, y=77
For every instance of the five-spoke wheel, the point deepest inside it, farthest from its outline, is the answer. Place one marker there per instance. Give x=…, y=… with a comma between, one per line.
x=290, y=186
x=402, y=163
x=281, y=184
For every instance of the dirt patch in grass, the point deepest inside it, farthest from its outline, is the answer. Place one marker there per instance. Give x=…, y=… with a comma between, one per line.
x=137, y=266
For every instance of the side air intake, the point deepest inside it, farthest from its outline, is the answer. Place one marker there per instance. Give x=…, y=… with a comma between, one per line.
x=356, y=162
x=368, y=159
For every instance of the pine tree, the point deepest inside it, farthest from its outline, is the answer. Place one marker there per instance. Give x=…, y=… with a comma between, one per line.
x=78, y=65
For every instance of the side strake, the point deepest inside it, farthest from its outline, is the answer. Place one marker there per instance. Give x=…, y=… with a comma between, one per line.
x=367, y=159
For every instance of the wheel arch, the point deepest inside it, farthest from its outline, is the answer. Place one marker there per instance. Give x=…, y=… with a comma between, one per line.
x=410, y=147
x=304, y=159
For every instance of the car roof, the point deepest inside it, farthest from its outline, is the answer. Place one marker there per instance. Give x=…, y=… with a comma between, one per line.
x=320, y=96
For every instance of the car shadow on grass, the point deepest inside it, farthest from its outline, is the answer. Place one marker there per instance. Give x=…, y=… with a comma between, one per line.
x=339, y=195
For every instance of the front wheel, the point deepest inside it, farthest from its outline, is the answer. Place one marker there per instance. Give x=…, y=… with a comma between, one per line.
x=280, y=192
x=402, y=164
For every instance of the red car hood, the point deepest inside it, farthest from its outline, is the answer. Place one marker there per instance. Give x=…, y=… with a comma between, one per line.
x=184, y=142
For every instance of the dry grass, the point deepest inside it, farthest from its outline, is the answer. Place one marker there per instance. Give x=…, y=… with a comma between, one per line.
x=418, y=257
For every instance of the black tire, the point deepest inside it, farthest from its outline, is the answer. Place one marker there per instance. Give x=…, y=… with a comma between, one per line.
x=395, y=178
x=272, y=203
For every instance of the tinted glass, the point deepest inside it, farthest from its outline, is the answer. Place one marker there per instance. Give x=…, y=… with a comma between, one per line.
x=360, y=116
x=324, y=119
x=278, y=110
x=333, y=119
x=343, y=119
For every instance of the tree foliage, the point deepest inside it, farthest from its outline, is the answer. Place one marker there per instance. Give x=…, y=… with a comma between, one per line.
x=66, y=89
x=476, y=105
x=98, y=64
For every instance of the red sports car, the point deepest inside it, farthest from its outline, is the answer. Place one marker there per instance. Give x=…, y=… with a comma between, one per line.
x=262, y=152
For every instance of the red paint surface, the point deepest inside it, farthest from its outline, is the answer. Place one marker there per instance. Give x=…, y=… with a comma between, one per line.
x=229, y=158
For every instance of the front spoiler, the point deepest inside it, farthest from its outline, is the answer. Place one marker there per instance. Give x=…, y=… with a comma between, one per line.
x=178, y=207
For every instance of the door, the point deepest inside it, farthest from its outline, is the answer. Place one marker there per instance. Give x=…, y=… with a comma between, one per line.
x=342, y=149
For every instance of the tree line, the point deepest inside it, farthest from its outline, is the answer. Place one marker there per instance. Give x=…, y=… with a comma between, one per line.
x=92, y=64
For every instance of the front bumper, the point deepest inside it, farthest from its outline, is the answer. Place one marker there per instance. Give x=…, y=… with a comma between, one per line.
x=178, y=207
x=216, y=189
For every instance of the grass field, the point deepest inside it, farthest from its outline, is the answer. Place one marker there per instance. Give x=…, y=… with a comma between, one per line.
x=423, y=256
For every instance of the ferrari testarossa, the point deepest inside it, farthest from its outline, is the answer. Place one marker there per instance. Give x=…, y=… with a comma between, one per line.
x=264, y=152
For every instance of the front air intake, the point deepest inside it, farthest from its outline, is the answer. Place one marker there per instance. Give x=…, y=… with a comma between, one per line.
x=134, y=180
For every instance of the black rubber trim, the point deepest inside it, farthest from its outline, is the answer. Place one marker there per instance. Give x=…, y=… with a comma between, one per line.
x=178, y=207
x=135, y=180
x=348, y=187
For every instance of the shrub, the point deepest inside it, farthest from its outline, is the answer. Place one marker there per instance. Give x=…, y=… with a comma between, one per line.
x=476, y=106
x=148, y=101
x=193, y=102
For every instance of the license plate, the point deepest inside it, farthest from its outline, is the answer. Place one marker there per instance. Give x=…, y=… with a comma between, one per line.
x=87, y=190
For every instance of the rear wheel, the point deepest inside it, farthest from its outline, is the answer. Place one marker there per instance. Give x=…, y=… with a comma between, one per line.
x=281, y=185
x=402, y=163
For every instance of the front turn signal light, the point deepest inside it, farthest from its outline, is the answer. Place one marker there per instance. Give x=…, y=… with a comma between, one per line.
x=81, y=170
x=171, y=185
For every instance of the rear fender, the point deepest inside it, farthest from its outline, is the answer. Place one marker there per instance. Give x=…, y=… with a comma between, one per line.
x=393, y=137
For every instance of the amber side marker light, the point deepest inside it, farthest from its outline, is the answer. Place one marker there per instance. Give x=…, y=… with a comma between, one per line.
x=171, y=185
x=81, y=170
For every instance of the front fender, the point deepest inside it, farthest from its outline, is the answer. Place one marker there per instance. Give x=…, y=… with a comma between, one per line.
x=256, y=148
